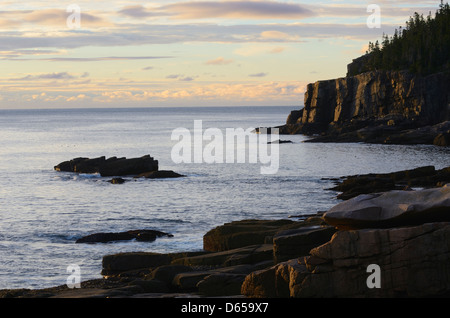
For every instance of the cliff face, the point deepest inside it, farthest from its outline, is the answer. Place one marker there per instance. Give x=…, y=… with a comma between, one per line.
x=394, y=101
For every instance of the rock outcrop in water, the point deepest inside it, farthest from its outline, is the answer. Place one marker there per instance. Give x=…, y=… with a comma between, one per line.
x=143, y=167
x=109, y=167
x=392, y=107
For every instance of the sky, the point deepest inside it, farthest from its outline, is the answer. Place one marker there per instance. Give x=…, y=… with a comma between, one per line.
x=75, y=54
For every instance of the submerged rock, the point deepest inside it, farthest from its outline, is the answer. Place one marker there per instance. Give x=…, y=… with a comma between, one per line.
x=117, y=181
x=160, y=174
x=139, y=235
x=280, y=142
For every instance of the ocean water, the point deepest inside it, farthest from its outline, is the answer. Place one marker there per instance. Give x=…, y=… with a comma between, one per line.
x=43, y=212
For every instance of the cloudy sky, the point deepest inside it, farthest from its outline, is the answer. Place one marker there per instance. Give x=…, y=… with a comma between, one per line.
x=182, y=53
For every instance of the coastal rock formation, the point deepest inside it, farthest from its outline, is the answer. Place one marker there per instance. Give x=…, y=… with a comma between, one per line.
x=109, y=167
x=423, y=177
x=391, y=209
x=138, y=235
x=404, y=236
x=378, y=107
x=410, y=261
x=289, y=244
x=242, y=233
x=249, y=232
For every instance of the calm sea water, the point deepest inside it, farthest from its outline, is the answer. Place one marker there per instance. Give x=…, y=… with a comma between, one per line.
x=43, y=212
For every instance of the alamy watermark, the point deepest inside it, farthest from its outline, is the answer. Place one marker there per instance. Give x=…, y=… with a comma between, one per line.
x=236, y=145
x=374, y=279
x=74, y=279
x=374, y=20
x=74, y=19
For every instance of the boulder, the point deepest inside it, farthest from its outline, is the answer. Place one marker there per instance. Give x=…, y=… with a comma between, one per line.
x=123, y=262
x=188, y=281
x=139, y=235
x=412, y=262
x=149, y=286
x=220, y=284
x=241, y=233
x=289, y=244
x=249, y=232
x=116, y=264
x=167, y=273
x=244, y=255
x=390, y=209
x=273, y=282
x=443, y=139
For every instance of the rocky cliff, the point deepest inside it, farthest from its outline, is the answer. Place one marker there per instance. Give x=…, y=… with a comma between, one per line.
x=374, y=106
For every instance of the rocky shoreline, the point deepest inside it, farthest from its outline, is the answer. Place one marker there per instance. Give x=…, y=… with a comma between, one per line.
x=406, y=233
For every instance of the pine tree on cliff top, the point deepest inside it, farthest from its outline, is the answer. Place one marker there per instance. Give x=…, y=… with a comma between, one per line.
x=422, y=46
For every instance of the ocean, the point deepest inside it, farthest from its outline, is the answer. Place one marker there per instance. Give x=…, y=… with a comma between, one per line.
x=43, y=212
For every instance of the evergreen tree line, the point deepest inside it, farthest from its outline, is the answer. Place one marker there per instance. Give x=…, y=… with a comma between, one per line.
x=422, y=47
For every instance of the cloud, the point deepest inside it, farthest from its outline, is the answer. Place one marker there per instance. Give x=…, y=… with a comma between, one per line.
x=277, y=35
x=96, y=59
x=186, y=79
x=257, y=49
x=135, y=11
x=277, y=50
x=54, y=76
x=58, y=17
x=142, y=34
x=272, y=92
x=237, y=10
x=219, y=61
x=258, y=75
x=180, y=77
x=148, y=68
x=17, y=53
